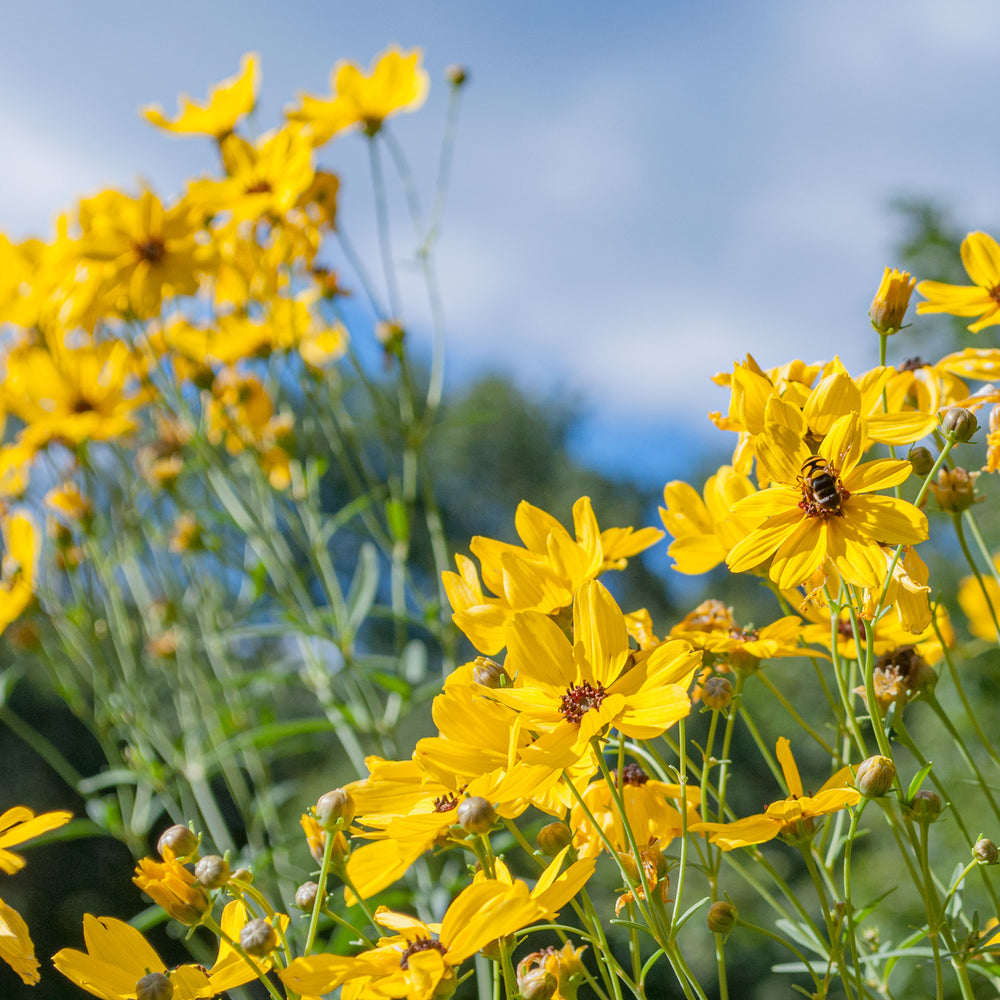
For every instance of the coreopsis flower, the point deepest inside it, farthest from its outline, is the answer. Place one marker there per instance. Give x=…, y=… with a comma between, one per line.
x=571, y=692
x=652, y=809
x=18, y=568
x=791, y=816
x=929, y=388
x=563, y=964
x=73, y=394
x=18, y=825
x=555, y=887
x=264, y=178
x=704, y=530
x=980, y=603
x=395, y=83
x=118, y=958
x=419, y=960
x=824, y=515
x=148, y=252
x=227, y=103
x=542, y=576
x=170, y=885
x=891, y=300
x=981, y=257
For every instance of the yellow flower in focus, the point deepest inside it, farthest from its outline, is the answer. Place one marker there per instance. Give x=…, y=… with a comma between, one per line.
x=414, y=963
x=824, y=516
x=170, y=885
x=791, y=816
x=118, y=958
x=981, y=257
x=704, y=530
x=396, y=82
x=652, y=808
x=891, y=300
x=227, y=103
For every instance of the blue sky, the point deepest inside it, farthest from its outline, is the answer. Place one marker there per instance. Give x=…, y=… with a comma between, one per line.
x=641, y=194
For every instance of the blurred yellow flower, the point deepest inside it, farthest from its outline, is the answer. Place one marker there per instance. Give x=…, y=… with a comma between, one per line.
x=981, y=257
x=396, y=83
x=981, y=604
x=227, y=103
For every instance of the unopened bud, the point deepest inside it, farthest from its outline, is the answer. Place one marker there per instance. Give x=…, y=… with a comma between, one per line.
x=537, y=984
x=180, y=841
x=553, y=837
x=925, y=806
x=335, y=809
x=488, y=672
x=921, y=459
x=891, y=300
x=212, y=871
x=960, y=423
x=875, y=776
x=305, y=895
x=258, y=938
x=985, y=852
x=717, y=693
x=154, y=986
x=456, y=75
x=722, y=917
x=476, y=814
x=242, y=875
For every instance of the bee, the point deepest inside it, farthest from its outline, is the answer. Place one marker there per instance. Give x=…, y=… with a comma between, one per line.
x=822, y=494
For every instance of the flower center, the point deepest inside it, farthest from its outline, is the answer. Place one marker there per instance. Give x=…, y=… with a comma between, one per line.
x=634, y=775
x=823, y=493
x=994, y=293
x=152, y=250
x=579, y=700
x=911, y=365
x=259, y=187
x=445, y=803
x=420, y=944
x=746, y=634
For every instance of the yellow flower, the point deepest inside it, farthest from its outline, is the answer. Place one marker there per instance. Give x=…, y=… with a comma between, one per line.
x=17, y=575
x=790, y=816
x=648, y=810
x=704, y=531
x=414, y=963
x=227, y=103
x=570, y=692
x=977, y=605
x=169, y=884
x=824, y=516
x=891, y=300
x=118, y=958
x=396, y=83
x=563, y=964
x=16, y=826
x=981, y=257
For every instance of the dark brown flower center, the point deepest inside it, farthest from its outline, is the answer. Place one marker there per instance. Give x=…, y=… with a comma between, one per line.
x=912, y=364
x=746, y=634
x=420, y=944
x=823, y=493
x=445, y=803
x=152, y=250
x=995, y=294
x=259, y=187
x=634, y=775
x=580, y=699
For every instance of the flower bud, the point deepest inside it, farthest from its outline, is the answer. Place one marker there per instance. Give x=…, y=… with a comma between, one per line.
x=722, y=917
x=242, y=875
x=960, y=423
x=305, y=895
x=717, y=693
x=179, y=840
x=537, y=984
x=921, y=459
x=925, y=806
x=553, y=838
x=258, y=938
x=154, y=986
x=488, y=672
x=955, y=489
x=212, y=871
x=891, y=300
x=985, y=852
x=456, y=75
x=874, y=776
x=335, y=809
x=476, y=814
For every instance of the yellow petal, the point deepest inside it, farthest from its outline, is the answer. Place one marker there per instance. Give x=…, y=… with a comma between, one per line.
x=788, y=767
x=981, y=257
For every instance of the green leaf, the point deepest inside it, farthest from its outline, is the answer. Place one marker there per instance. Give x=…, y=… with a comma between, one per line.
x=364, y=584
x=918, y=780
